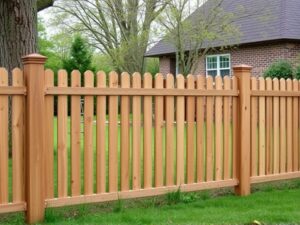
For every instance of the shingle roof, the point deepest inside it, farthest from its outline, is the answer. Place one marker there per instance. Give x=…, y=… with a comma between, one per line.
x=270, y=20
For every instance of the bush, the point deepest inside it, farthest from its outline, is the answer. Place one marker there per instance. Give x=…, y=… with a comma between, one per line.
x=297, y=72
x=280, y=69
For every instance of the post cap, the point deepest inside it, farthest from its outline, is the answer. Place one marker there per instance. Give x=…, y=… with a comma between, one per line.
x=34, y=59
x=242, y=68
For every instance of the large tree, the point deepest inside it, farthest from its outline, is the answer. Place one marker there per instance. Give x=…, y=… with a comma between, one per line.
x=118, y=28
x=18, y=29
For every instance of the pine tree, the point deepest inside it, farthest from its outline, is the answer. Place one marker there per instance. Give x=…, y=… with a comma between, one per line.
x=80, y=56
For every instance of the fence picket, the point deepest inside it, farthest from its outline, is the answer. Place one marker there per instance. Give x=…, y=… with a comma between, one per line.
x=254, y=129
x=101, y=136
x=62, y=133
x=200, y=130
x=136, y=134
x=3, y=139
x=295, y=127
x=262, y=129
x=276, y=132
x=159, y=106
x=282, y=128
x=125, y=141
x=18, y=138
x=170, y=132
x=49, y=142
x=190, y=151
x=75, y=136
x=147, y=133
x=180, y=115
x=226, y=135
x=269, y=128
x=289, y=127
x=113, y=135
x=209, y=131
x=234, y=128
x=218, y=130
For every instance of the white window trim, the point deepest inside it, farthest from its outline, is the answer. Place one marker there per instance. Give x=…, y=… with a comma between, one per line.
x=218, y=64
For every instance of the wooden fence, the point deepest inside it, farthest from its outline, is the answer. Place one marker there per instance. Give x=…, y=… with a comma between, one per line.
x=140, y=136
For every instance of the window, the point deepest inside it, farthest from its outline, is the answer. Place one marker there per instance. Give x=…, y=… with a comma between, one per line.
x=218, y=65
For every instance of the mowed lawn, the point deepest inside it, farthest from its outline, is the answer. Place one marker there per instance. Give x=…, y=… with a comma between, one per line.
x=269, y=204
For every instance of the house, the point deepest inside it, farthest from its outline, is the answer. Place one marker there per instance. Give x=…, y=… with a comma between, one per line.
x=261, y=41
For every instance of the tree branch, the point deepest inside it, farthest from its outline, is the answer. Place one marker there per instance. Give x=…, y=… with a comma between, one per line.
x=43, y=4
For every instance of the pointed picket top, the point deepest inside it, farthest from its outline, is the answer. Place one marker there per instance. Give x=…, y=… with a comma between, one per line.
x=3, y=77
x=113, y=79
x=209, y=82
x=289, y=84
x=62, y=78
x=159, y=81
x=282, y=84
x=275, y=84
x=180, y=81
x=125, y=80
x=88, y=78
x=75, y=78
x=269, y=85
x=18, y=77
x=227, y=85
x=261, y=82
x=190, y=81
x=136, y=80
x=295, y=85
x=147, y=80
x=219, y=82
x=170, y=81
x=101, y=79
x=253, y=81
x=200, y=82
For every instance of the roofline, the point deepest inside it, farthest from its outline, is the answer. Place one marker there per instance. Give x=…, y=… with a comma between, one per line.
x=238, y=45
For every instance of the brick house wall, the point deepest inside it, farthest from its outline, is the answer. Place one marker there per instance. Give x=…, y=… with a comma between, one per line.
x=258, y=56
x=167, y=65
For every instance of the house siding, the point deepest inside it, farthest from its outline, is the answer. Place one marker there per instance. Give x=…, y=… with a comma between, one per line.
x=258, y=56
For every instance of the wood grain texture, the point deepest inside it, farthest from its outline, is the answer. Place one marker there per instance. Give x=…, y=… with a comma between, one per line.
x=101, y=136
x=289, y=127
x=159, y=124
x=276, y=133
x=295, y=127
x=3, y=140
x=283, y=146
x=180, y=115
x=18, y=156
x=147, y=133
x=269, y=128
x=75, y=136
x=254, y=129
x=262, y=129
x=62, y=134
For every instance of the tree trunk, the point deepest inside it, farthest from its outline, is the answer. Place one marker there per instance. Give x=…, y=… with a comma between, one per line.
x=18, y=31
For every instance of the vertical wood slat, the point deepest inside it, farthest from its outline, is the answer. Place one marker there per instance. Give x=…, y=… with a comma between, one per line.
x=218, y=130
x=180, y=115
x=3, y=139
x=147, y=133
x=289, y=127
x=113, y=135
x=75, y=136
x=136, y=134
x=234, y=128
x=262, y=129
x=159, y=106
x=200, y=130
x=282, y=128
x=18, y=139
x=170, y=133
x=101, y=136
x=226, y=135
x=88, y=135
x=62, y=132
x=295, y=127
x=254, y=129
x=49, y=142
x=276, y=132
x=209, y=132
x=269, y=116
x=190, y=110
x=125, y=142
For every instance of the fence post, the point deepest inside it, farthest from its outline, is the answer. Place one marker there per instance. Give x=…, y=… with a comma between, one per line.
x=35, y=137
x=243, y=73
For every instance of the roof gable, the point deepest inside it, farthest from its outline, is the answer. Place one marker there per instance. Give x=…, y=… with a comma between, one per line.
x=265, y=20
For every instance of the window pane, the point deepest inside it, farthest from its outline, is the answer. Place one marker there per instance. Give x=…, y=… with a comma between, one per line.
x=212, y=73
x=224, y=61
x=225, y=73
x=212, y=62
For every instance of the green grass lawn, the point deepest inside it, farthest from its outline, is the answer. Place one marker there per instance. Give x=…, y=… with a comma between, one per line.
x=269, y=204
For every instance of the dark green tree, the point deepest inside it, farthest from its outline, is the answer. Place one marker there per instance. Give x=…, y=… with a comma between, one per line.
x=80, y=57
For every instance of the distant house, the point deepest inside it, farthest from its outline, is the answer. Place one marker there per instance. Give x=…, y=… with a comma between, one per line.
x=261, y=42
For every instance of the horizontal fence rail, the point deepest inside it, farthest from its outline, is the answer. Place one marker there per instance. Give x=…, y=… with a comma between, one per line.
x=102, y=137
